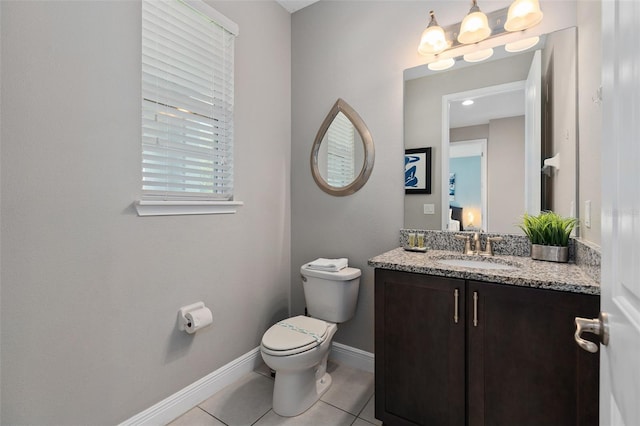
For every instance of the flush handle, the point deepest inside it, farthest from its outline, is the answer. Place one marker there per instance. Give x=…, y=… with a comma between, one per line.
x=598, y=326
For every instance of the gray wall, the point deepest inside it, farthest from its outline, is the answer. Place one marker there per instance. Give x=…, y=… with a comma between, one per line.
x=332, y=57
x=590, y=115
x=458, y=134
x=506, y=181
x=90, y=291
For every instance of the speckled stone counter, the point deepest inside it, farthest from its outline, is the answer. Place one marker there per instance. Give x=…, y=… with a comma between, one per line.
x=512, y=245
x=526, y=272
x=587, y=257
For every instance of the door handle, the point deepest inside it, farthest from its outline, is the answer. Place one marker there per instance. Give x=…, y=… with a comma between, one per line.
x=598, y=326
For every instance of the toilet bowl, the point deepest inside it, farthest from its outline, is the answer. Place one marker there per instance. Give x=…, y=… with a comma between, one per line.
x=300, y=362
x=297, y=348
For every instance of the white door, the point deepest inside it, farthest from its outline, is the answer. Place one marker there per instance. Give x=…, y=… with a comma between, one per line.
x=620, y=359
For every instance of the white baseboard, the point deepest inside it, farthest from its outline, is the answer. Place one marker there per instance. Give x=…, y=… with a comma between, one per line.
x=182, y=401
x=352, y=357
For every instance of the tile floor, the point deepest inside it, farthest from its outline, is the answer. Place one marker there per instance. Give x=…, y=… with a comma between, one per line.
x=349, y=401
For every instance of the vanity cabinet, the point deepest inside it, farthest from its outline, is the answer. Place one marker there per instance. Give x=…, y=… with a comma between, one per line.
x=458, y=352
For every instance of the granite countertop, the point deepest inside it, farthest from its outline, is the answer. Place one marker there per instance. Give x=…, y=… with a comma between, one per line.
x=527, y=272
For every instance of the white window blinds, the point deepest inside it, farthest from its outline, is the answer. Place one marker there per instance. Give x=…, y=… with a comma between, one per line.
x=187, y=102
x=340, y=152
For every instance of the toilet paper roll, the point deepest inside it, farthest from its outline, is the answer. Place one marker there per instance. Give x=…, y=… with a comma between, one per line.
x=198, y=319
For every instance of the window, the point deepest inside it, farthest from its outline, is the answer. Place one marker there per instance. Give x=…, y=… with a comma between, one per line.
x=340, y=152
x=187, y=107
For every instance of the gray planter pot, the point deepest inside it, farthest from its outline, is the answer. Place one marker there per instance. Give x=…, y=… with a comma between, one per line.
x=550, y=253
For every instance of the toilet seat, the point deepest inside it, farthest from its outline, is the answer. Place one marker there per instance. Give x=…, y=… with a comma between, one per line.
x=294, y=335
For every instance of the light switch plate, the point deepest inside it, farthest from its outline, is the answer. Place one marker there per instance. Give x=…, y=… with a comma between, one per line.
x=429, y=209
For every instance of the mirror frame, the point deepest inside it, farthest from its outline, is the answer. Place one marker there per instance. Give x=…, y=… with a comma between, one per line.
x=367, y=141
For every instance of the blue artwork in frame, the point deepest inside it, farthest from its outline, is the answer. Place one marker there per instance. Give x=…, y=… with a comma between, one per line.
x=417, y=171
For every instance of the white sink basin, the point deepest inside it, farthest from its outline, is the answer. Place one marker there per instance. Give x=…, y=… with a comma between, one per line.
x=476, y=264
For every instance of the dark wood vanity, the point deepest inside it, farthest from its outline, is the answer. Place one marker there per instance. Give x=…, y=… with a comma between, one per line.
x=453, y=351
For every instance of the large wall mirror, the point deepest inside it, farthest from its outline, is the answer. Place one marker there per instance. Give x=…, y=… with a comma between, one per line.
x=343, y=153
x=492, y=125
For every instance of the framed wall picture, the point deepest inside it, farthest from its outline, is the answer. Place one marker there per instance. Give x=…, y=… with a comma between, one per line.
x=417, y=171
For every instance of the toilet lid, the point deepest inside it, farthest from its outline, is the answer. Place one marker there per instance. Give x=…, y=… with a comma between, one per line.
x=295, y=333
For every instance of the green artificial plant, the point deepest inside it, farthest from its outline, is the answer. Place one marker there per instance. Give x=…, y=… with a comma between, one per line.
x=548, y=228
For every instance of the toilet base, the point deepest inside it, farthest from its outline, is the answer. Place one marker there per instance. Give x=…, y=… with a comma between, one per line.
x=301, y=379
x=308, y=391
x=323, y=385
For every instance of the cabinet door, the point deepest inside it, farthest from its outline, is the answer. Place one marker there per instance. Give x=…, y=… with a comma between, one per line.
x=419, y=349
x=524, y=366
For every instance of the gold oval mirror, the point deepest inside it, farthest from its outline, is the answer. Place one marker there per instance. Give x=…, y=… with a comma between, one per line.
x=343, y=153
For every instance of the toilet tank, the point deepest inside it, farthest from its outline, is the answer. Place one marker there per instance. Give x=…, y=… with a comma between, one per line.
x=331, y=296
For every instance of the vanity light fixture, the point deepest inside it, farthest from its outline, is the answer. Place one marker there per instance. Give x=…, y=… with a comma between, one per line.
x=478, y=33
x=433, y=40
x=474, y=27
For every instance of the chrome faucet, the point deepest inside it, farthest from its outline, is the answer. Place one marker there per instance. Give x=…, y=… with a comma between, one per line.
x=467, y=244
x=476, y=243
x=488, y=247
x=476, y=248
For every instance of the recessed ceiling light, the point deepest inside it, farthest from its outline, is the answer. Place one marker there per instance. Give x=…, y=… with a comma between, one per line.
x=467, y=102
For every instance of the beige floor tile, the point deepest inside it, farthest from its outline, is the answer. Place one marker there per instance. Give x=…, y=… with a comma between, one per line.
x=368, y=413
x=350, y=389
x=247, y=400
x=196, y=417
x=243, y=402
x=320, y=414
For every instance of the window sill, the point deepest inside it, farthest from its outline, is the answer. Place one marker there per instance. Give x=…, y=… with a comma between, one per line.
x=175, y=208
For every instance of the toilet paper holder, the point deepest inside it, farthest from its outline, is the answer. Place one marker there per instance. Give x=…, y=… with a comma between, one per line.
x=183, y=322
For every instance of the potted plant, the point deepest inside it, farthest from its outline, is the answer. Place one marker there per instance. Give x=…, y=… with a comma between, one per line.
x=549, y=235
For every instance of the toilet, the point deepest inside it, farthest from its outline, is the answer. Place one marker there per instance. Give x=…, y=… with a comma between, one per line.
x=297, y=348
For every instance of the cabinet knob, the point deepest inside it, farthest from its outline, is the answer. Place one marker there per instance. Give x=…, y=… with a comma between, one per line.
x=598, y=326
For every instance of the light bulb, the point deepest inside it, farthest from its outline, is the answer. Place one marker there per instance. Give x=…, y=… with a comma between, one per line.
x=474, y=27
x=433, y=40
x=523, y=14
